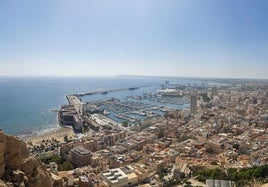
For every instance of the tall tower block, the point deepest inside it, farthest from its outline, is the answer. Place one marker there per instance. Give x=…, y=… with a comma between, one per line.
x=193, y=104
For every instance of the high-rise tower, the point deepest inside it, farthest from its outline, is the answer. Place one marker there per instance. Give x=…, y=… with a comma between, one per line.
x=193, y=104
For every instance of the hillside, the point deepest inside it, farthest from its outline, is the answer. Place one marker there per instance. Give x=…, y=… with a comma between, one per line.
x=18, y=167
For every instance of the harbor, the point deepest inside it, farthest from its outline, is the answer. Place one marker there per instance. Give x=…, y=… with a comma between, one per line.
x=109, y=109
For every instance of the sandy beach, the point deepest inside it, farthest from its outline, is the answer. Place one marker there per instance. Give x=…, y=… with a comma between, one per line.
x=57, y=134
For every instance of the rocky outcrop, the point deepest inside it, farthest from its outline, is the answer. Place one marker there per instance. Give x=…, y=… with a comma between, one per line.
x=3, y=143
x=2, y=184
x=18, y=168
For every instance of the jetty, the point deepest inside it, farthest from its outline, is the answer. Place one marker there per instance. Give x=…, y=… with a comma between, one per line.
x=76, y=103
x=108, y=91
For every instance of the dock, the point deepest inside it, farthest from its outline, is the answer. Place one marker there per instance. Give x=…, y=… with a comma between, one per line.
x=108, y=91
x=76, y=103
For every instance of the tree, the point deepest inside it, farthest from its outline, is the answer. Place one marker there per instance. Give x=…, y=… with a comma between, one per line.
x=216, y=173
x=236, y=146
x=54, y=158
x=214, y=162
x=125, y=124
x=205, y=97
x=161, y=133
x=65, y=138
x=188, y=184
x=66, y=166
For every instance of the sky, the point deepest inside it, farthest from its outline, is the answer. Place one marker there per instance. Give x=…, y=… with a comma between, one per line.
x=181, y=38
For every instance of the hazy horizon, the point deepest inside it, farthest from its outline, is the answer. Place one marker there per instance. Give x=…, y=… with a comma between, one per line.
x=129, y=76
x=184, y=38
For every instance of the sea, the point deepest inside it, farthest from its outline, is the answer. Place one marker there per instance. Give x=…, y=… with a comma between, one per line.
x=28, y=104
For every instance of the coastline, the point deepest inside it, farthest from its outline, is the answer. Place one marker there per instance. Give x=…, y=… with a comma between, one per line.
x=21, y=121
x=56, y=134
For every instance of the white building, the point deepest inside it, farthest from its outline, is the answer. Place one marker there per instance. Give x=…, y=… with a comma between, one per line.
x=120, y=177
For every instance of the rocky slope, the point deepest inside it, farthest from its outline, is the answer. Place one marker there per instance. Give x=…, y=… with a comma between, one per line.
x=18, y=167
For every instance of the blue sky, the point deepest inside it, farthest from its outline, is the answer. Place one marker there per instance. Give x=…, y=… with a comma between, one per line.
x=184, y=38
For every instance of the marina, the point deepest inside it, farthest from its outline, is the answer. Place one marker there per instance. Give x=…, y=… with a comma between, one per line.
x=106, y=109
x=128, y=106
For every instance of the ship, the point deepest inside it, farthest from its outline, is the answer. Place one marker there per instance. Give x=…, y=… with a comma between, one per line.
x=133, y=88
x=170, y=93
x=104, y=92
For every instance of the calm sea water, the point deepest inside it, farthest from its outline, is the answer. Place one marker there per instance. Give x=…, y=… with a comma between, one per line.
x=26, y=103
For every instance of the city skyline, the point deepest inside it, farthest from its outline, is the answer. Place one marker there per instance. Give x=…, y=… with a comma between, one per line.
x=224, y=39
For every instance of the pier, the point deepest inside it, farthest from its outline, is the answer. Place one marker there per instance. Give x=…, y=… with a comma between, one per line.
x=76, y=103
x=108, y=91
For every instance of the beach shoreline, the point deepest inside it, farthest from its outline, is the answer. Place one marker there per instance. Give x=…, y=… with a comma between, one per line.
x=58, y=134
